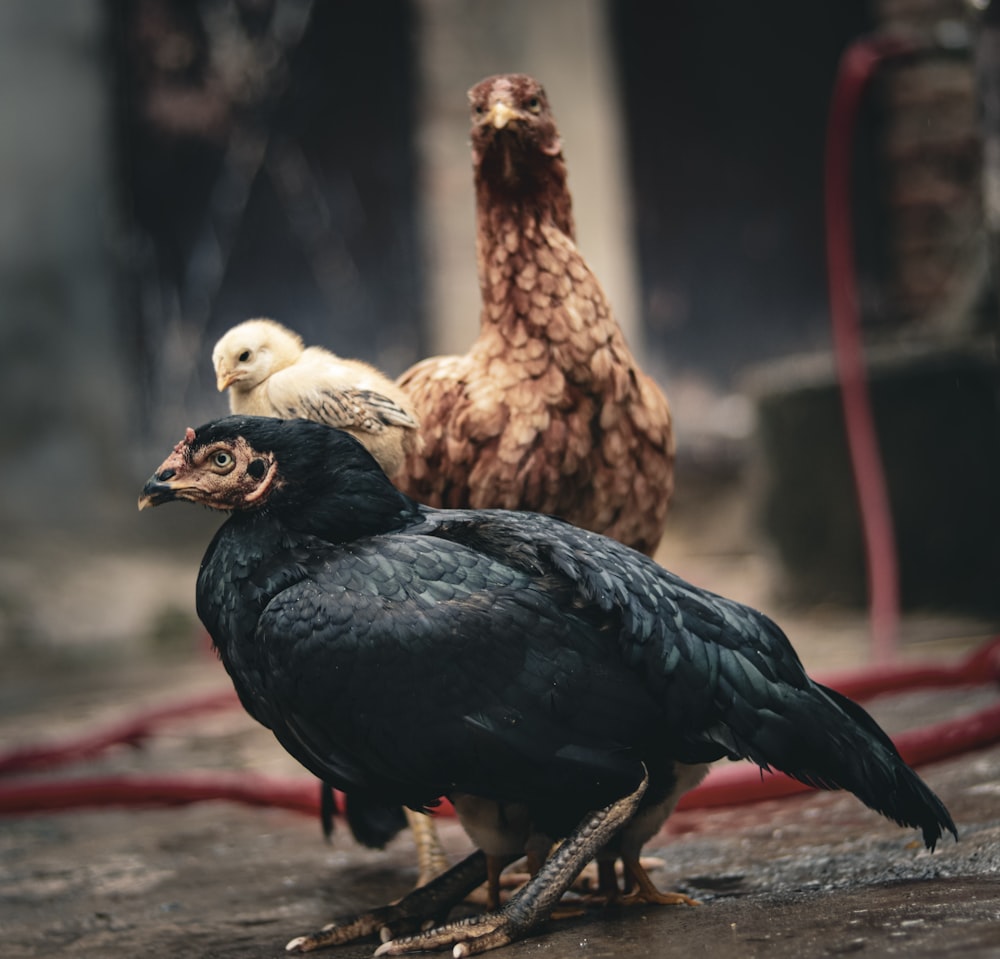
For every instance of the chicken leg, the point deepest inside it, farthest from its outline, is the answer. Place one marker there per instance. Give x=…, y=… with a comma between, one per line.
x=533, y=904
x=431, y=858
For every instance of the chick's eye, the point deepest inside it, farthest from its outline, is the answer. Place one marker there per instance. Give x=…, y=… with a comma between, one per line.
x=534, y=105
x=222, y=459
x=244, y=356
x=479, y=109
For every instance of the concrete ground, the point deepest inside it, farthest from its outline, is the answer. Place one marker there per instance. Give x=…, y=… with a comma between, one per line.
x=815, y=875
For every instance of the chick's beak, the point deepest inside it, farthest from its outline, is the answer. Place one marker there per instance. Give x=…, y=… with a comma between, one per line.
x=225, y=378
x=501, y=114
x=158, y=489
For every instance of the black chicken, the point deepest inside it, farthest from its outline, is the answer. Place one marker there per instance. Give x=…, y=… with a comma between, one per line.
x=404, y=653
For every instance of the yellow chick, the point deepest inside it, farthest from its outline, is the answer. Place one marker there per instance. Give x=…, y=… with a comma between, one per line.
x=269, y=371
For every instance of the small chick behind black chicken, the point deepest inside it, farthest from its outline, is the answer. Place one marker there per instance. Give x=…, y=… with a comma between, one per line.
x=269, y=371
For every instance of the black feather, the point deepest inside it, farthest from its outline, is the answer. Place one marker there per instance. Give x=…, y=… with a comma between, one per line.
x=327, y=809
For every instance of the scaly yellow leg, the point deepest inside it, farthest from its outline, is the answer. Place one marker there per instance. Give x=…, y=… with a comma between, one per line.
x=431, y=858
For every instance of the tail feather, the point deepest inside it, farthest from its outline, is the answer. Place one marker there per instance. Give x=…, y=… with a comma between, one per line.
x=885, y=782
x=825, y=740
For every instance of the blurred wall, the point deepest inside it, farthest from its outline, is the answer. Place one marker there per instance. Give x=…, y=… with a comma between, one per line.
x=61, y=382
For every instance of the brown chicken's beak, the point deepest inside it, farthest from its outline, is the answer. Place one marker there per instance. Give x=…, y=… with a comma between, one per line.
x=501, y=114
x=157, y=490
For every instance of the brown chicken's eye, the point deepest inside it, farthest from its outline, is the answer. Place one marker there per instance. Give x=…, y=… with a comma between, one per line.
x=534, y=105
x=222, y=460
x=244, y=356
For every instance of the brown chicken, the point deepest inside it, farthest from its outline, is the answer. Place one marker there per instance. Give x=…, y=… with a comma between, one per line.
x=270, y=372
x=549, y=410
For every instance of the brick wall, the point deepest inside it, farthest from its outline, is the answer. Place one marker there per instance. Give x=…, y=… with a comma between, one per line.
x=932, y=152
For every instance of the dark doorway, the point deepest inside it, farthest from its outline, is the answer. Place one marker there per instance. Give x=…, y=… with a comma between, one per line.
x=727, y=107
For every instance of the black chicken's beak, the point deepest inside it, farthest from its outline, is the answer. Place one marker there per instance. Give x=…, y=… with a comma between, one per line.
x=158, y=489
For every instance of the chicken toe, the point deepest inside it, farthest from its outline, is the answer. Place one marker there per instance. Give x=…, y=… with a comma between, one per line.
x=431, y=902
x=643, y=890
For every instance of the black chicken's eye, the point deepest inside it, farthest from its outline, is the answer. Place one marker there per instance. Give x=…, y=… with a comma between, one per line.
x=222, y=459
x=244, y=356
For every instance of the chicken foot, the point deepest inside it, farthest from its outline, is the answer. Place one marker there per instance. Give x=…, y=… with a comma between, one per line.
x=431, y=902
x=639, y=888
x=532, y=904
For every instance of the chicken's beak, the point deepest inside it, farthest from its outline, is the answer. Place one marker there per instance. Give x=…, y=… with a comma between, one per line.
x=501, y=114
x=226, y=378
x=158, y=489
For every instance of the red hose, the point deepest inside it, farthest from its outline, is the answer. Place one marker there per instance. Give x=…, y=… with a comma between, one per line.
x=981, y=666
x=857, y=66
x=131, y=731
x=28, y=797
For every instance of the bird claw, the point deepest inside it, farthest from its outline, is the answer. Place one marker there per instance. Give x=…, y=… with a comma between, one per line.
x=341, y=931
x=468, y=937
x=387, y=922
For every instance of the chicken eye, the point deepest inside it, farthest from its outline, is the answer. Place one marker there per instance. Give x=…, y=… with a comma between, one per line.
x=479, y=109
x=534, y=105
x=244, y=356
x=222, y=460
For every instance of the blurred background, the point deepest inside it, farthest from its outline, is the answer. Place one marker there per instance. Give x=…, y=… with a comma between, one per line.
x=172, y=167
